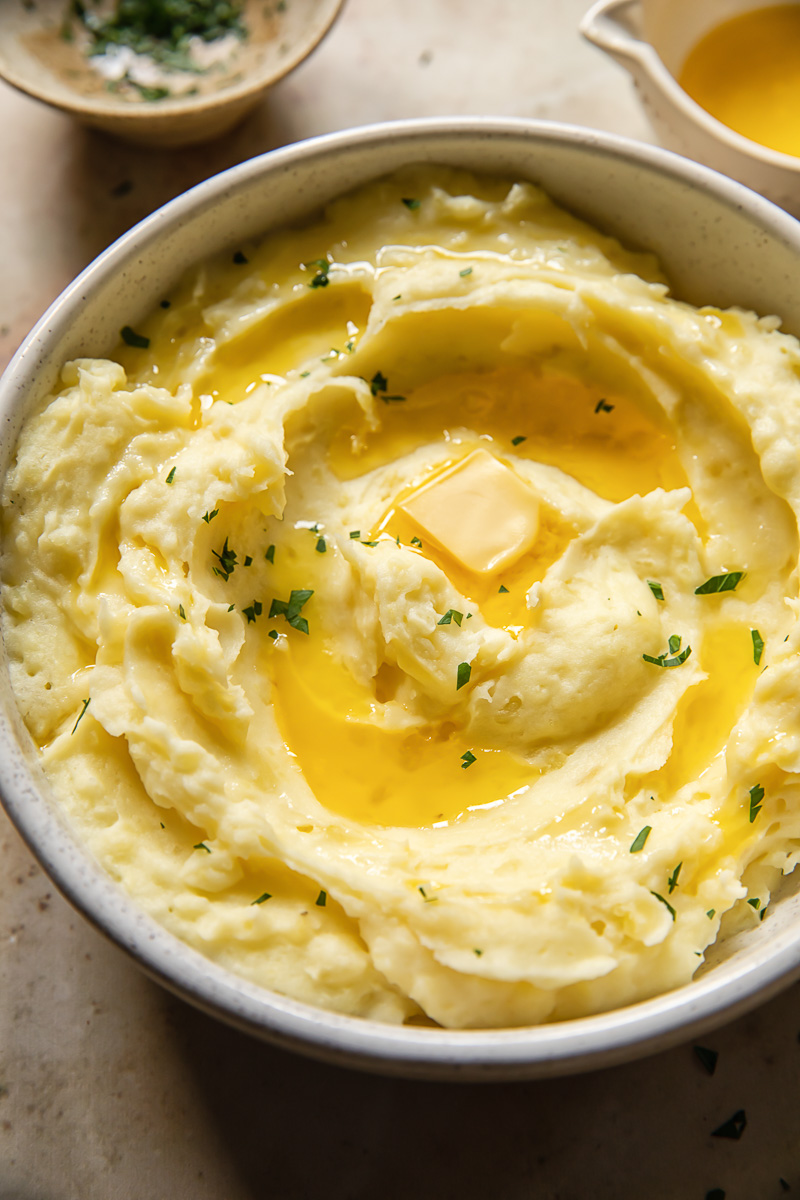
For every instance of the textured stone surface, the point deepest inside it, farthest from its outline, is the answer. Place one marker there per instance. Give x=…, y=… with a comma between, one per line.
x=109, y=1088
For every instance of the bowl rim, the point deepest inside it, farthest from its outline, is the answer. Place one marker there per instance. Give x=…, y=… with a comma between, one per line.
x=525, y=1052
x=109, y=107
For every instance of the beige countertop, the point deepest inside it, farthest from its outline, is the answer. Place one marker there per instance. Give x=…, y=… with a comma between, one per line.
x=110, y=1089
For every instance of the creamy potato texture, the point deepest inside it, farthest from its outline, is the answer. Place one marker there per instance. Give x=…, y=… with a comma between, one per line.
x=408, y=620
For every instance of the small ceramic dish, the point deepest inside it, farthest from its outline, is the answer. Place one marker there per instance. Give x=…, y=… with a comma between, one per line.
x=43, y=53
x=718, y=243
x=651, y=39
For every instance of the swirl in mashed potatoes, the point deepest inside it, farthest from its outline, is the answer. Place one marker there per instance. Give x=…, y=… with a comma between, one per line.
x=408, y=620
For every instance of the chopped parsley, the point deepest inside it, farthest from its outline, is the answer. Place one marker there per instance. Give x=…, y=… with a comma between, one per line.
x=253, y=611
x=131, y=338
x=291, y=608
x=462, y=677
x=369, y=543
x=239, y=258
x=712, y=912
x=416, y=542
x=355, y=534
x=754, y=902
x=666, y=904
x=603, y=406
x=231, y=607
x=227, y=561
x=671, y=657
x=478, y=952
x=502, y=588
x=80, y=715
x=720, y=583
x=171, y=476
x=201, y=846
x=756, y=796
x=733, y=1128
x=270, y=554
x=322, y=268
x=707, y=1058
x=248, y=560
x=672, y=882
x=758, y=646
x=411, y=203
x=466, y=271
x=264, y=896
x=181, y=612
x=428, y=899
x=321, y=546
x=518, y=440
x=208, y=517
x=273, y=633
x=467, y=760
x=322, y=898
x=451, y=615
x=378, y=383
x=638, y=842
x=656, y=588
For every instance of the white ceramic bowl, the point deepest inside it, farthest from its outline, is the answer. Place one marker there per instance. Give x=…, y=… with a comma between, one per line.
x=719, y=243
x=651, y=39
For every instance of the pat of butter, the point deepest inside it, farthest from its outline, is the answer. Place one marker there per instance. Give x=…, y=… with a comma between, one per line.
x=479, y=511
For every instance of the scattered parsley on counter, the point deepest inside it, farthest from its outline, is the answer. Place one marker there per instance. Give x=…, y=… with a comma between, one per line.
x=466, y=271
x=227, y=561
x=672, y=882
x=664, y=660
x=131, y=338
x=733, y=1128
x=80, y=716
x=720, y=583
x=451, y=615
x=756, y=796
x=322, y=899
x=264, y=896
x=171, y=476
x=602, y=406
x=208, y=517
x=758, y=646
x=638, y=842
x=464, y=672
x=239, y=258
x=201, y=846
x=254, y=610
x=656, y=588
x=270, y=554
x=666, y=904
x=411, y=203
x=707, y=1058
x=518, y=440
x=321, y=546
x=291, y=608
x=467, y=760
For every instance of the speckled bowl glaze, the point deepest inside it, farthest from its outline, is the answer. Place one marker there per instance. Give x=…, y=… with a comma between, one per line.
x=718, y=242
x=651, y=39
x=37, y=59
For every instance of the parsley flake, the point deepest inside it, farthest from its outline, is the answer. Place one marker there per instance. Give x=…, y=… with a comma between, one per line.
x=663, y=660
x=666, y=904
x=322, y=268
x=656, y=588
x=264, y=896
x=273, y=633
x=378, y=383
x=322, y=898
x=466, y=271
x=411, y=203
x=270, y=554
x=80, y=715
x=416, y=542
x=131, y=338
x=208, y=517
x=638, y=842
x=181, y=612
x=720, y=583
x=707, y=1058
x=321, y=545
x=201, y=846
x=754, y=902
x=502, y=588
x=253, y=611
x=712, y=912
x=467, y=760
x=756, y=796
x=428, y=899
x=518, y=440
x=171, y=476
x=733, y=1128
x=227, y=561
x=672, y=882
x=758, y=646
x=674, y=644
x=478, y=952
x=291, y=608
x=602, y=406
x=355, y=534
x=462, y=677
x=239, y=258
x=451, y=615
x=248, y=560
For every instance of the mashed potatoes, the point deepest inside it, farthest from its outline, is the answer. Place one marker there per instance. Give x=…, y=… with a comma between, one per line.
x=408, y=620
